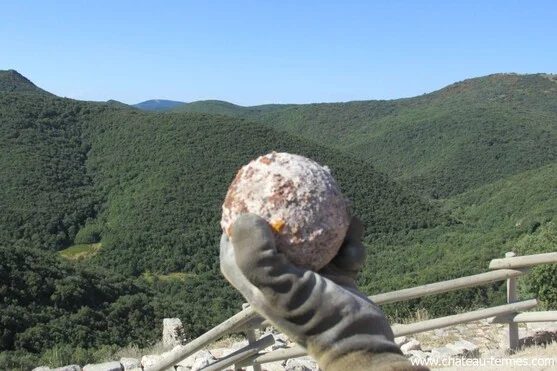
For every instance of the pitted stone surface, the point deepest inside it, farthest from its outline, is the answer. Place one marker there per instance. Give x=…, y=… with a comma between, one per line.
x=299, y=199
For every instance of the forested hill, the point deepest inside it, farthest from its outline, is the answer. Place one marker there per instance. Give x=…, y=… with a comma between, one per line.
x=151, y=185
x=13, y=81
x=434, y=142
x=220, y=107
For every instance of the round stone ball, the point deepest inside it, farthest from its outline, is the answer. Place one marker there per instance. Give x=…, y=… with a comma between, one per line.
x=299, y=199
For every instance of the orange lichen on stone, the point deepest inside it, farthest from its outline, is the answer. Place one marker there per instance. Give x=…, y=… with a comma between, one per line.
x=265, y=160
x=277, y=225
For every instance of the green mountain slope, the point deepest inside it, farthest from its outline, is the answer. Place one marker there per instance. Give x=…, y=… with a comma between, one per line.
x=13, y=81
x=521, y=202
x=47, y=302
x=435, y=143
x=45, y=190
x=154, y=182
x=164, y=177
x=117, y=104
x=514, y=214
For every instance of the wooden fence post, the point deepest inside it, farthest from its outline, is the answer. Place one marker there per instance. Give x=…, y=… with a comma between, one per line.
x=250, y=335
x=230, y=325
x=512, y=297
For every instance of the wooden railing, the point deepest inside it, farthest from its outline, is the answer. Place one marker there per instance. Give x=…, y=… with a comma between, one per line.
x=508, y=268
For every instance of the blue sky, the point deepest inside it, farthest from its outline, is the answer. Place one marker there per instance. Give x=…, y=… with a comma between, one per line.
x=257, y=52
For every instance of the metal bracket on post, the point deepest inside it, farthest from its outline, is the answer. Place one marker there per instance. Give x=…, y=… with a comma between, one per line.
x=512, y=297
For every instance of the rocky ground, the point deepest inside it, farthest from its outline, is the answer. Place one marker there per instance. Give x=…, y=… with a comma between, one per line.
x=476, y=344
x=485, y=346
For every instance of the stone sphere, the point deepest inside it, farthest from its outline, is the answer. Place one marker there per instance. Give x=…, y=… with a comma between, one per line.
x=299, y=199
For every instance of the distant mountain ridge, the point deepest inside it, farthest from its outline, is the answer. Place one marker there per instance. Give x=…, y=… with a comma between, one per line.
x=220, y=107
x=158, y=105
x=13, y=81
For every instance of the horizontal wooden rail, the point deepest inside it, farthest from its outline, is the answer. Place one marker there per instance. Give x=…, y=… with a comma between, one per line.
x=241, y=354
x=274, y=356
x=230, y=325
x=402, y=330
x=424, y=290
x=523, y=261
x=548, y=316
x=445, y=286
x=432, y=324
